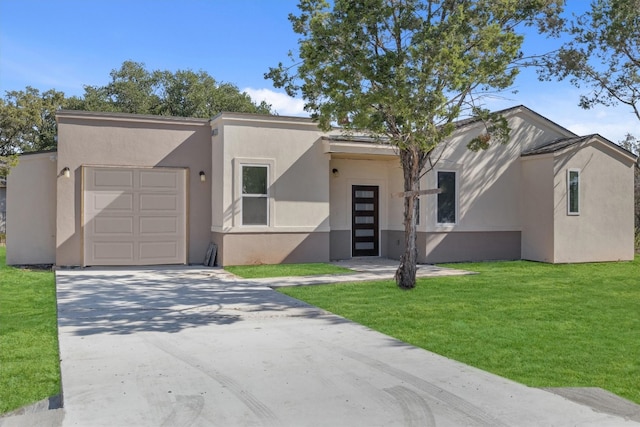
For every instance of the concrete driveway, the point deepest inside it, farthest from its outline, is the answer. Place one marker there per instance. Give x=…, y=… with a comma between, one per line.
x=196, y=347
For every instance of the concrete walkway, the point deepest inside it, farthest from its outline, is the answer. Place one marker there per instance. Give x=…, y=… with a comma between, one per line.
x=365, y=268
x=198, y=347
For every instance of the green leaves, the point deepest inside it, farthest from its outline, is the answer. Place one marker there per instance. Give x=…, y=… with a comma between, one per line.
x=405, y=70
x=183, y=93
x=403, y=67
x=602, y=55
x=496, y=130
x=27, y=120
x=6, y=163
x=27, y=117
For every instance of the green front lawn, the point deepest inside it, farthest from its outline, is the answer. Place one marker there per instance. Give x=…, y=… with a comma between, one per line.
x=29, y=361
x=285, y=270
x=540, y=324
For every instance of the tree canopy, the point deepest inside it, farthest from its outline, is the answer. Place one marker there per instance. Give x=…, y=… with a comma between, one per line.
x=632, y=144
x=27, y=120
x=27, y=117
x=405, y=70
x=602, y=54
x=183, y=93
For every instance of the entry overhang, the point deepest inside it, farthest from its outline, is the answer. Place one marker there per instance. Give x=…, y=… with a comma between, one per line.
x=358, y=148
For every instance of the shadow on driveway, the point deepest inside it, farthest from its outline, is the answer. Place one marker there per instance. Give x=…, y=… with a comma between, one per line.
x=164, y=300
x=194, y=346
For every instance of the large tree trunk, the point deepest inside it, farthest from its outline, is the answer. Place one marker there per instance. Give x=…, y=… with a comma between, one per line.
x=411, y=166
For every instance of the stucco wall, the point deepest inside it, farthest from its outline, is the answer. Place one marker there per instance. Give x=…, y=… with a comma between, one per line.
x=298, y=189
x=489, y=187
x=130, y=140
x=537, y=207
x=299, y=172
x=490, y=181
x=459, y=246
x=31, y=210
x=603, y=231
x=219, y=162
x=490, y=216
x=273, y=248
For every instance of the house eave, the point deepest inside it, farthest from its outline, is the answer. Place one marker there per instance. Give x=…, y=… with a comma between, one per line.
x=559, y=148
x=343, y=149
x=265, y=120
x=127, y=117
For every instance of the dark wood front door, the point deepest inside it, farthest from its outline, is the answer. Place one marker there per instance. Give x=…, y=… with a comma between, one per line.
x=364, y=221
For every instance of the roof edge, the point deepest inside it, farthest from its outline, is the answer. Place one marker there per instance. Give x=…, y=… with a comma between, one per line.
x=264, y=118
x=129, y=117
x=29, y=153
x=565, y=143
x=515, y=110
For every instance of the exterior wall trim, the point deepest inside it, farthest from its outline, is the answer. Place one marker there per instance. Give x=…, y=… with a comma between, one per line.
x=263, y=229
x=127, y=117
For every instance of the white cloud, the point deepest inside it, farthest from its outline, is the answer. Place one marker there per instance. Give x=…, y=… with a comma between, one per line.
x=611, y=122
x=280, y=102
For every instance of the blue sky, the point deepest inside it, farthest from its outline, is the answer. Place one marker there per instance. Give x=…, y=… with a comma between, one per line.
x=65, y=44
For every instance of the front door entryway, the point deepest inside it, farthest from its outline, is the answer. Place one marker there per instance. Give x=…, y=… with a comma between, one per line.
x=364, y=221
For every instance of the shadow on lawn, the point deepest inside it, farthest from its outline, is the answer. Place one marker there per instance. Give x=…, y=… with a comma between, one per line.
x=166, y=300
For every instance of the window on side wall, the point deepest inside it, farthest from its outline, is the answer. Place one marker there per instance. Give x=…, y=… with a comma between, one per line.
x=255, y=197
x=447, y=197
x=573, y=192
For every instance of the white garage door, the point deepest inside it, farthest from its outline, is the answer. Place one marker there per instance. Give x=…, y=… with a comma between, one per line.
x=134, y=216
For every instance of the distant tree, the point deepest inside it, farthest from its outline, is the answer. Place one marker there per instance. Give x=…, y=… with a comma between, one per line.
x=27, y=120
x=190, y=94
x=602, y=54
x=6, y=163
x=185, y=93
x=405, y=70
x=632, y=144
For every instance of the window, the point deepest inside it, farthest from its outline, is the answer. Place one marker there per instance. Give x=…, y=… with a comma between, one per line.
x=255, y=199
x=573, y=192
x=447, y=198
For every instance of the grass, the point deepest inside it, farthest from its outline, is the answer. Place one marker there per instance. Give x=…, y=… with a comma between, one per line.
x=539, y=324
x=29, y=358
x=284, y=270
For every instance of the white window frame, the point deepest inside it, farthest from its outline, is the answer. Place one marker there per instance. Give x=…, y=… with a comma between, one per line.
x=267, y=166
x=569, y=211
x=455, y=200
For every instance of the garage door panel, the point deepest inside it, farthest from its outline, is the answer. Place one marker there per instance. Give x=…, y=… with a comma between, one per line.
x=159, y=225
x=111, y=201
x=113, y=178
x=155, y=180
x=113, y=225
x=112, y=251
x=159, y=202
x=158, y=252
x=142, y=222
